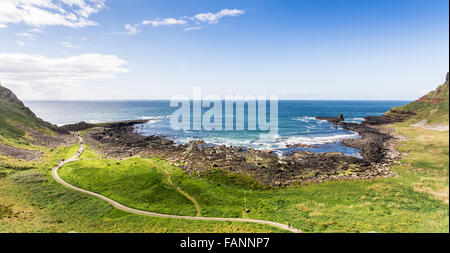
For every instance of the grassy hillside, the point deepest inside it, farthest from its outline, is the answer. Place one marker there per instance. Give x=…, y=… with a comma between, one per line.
x=15, y=117
x=432, y=109
x=415, y=201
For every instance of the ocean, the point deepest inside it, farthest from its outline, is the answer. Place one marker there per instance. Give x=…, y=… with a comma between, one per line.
x=296, y=122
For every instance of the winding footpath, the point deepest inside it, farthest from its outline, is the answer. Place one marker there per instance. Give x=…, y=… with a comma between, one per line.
x=178, y=189
x=152, y=214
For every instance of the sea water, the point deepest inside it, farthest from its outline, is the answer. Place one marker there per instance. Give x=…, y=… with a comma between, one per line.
x=296, y=122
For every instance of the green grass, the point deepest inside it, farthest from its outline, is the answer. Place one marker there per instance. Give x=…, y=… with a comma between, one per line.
x=135, y=182
x=49, y=158
x=414, y=201
x=13, y=115
x=39, y=204
x=32, y=201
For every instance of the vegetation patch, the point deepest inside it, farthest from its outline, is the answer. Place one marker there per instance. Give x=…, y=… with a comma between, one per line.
x=5, y=212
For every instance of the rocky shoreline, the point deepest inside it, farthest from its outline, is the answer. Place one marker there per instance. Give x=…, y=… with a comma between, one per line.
x=120, y=140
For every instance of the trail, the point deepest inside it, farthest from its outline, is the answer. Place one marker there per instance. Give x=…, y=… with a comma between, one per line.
x=153, y=214
x=178, y=189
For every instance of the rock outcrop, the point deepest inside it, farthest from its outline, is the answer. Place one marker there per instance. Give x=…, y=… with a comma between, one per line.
x=334, y=120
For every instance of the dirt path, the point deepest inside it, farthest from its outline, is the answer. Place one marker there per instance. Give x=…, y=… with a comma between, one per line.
x=152, y=214
x=178, y=189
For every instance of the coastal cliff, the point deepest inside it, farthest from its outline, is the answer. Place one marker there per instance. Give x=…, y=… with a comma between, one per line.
x=430, y=111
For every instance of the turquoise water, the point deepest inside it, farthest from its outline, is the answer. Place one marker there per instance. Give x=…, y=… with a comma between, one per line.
x=296, y=121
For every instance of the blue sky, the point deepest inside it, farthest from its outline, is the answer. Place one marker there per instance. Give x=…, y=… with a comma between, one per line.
x=335, y=49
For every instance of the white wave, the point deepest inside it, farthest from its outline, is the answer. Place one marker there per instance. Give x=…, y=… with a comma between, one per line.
x=309, y=119
x=305, y=119
x=354, y=120
x=94, y=121
x=273, y=142
x=320, y=139
x=153, y=119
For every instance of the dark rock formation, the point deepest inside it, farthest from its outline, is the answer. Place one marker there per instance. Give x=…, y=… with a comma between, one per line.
x=390, y=117
x=124, y=123
x=77, y=126
x=334, y=120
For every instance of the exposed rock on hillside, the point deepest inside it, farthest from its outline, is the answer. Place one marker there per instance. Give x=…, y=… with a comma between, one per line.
x=18, y=153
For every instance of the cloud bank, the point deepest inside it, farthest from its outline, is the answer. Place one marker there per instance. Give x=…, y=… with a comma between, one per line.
x=37, y=75
x=38, y=13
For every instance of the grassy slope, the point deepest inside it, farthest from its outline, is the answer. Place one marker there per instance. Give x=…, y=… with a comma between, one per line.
x=31, y=201
x=433, y=113
x=14, y=118
x=13, y=115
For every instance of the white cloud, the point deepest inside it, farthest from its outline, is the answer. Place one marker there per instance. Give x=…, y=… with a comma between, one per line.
x=37, y=76
x=213, y=18
x=193, y=28
x=68, y=44
x=29, y=36
x=132, y=29
x=21, y=43
x=209, y=17
x=37, y=13
x=164, y=22
x=35, y=30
